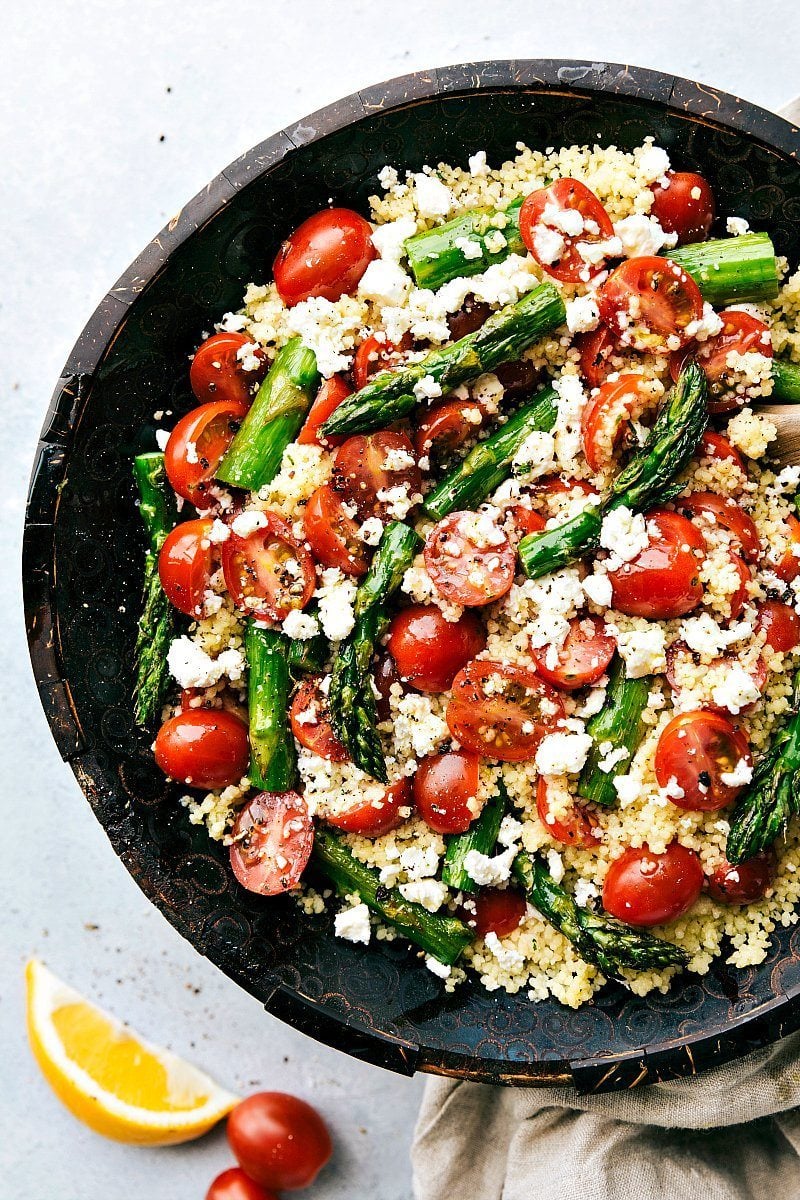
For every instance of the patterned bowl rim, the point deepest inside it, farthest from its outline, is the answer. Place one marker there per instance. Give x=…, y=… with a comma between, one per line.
x=698, y=104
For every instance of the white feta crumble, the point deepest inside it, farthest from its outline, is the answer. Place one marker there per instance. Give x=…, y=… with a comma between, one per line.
x=439, y=969
x=250, y=357
x=470, y=247
x=653, y=163
x=419, y=862
x=510, y=831
x=432, y=197
x=488, y=391
x=703, y=635
x=495, y=241
x=555, y=865
x=219, y=532
x=477, y=164
x=162, y=437
x=335, y=595
x=736, y=691
x=628, y=789
x=642, y=236
x=418, y=730
x=388, y=177
x=536, y=456
x=583, y=314
x=371, y=531
x=427, y=388
x=300, y=626
x=563, y=753
x=624, y=534
x=384, y=282
x=191, y=667
x=584, y=891
x=741, y=774
x=389, y=239
x=507, y=956
x=708, y=326
x=548, y=244
x=430, y=893
x=598, y=589
x=352, y=924
x=247, y=522
x=643, y=651
x=487, y=871
x=567, y=429
x=594, y=254
x=736, y=226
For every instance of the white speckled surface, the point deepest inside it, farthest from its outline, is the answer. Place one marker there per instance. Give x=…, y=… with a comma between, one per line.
x=115, y=114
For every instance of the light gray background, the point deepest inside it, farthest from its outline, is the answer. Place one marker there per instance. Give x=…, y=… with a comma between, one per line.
x=113, y=114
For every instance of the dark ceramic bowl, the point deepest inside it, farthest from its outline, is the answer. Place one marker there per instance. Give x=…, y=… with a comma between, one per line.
x=84, y=548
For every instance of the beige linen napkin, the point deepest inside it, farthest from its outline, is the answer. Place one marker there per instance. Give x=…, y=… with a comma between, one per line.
x=730, y=1134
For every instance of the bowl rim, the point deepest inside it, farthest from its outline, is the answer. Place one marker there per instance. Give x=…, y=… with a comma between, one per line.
x=681, y=1056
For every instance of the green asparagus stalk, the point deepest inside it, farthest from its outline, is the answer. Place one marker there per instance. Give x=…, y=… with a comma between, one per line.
x=649, y=478
x=279, y=409
x=502, y=338
x=481, y=836
x=443, y=937
x=307, y=656
x=273, y=761
x=619, y=722
x=351, y=698
x=437, y=255
x=156, y=627
x=608, y=944
x=785, y=381
x=762, y=814
x=490, y=462
x=731, y=269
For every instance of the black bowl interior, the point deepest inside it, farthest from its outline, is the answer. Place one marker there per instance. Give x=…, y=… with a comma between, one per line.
x=84, y=550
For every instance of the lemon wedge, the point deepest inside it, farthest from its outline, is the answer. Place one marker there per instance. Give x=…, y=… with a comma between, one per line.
x=110, y=1078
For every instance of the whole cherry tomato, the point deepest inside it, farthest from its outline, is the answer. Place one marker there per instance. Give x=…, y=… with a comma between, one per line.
x=185, y=564
x=642, y=888
x=203, y=747
x=430, y=651
x=218, y=369
x=742, y=883
x=684, y=205
x=278, y=1140
x=325, y=256
x=233, y=1184
x=443, y=787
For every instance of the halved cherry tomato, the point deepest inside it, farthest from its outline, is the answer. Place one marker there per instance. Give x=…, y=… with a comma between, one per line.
x=581, y=660
x=742, y=883
x=360, y=471
x=571, y=828
x=278, y=1140
x=185, y=565
x=444, y=785
x=217, y=372
x=684, y=206
x=332, y=534
x=519, y=520
x=678, y=651
x=373, y=356
x=642, y=888
x=467, y=566
x=494, y=910
x=607, y=416
x=311, y=721
x=385, y=675
x=551, y=488
x=723, y=511
x=741, y=333
x=787, y=567
x=203, y=747
x=714, y=445
x=272, y=840
x=697, y=749
x=197, y=444
x=447, y=426
x=330, y=395
x=597, y=350
x=233, y=1184
x=430, y=651
x=325, y=256
x=649, y=302
x=372, y=819
x=592, y=225
x=269, y=573
x=739, y=598
x=663, y=581
x=502, y=711
x=781, y=624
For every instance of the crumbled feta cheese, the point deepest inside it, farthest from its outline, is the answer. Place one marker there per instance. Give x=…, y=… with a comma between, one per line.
x=487, y=871
x=371, y=531
x=329, y=328
x=673, y=790
x=624, y=533
x=162, y=437
x=389, y=239
x=703, y=635
x=219, y=532
x=584, y=891
x=741, y=774
x=191, y=667
x=653, y=163
x=384, y=282
x=628, y=789
x=470, y=247
x=300, y=626
x=427, y=388
x=536, y=455
x=510, y=830
x=612, y=758
x=250, y=356
x=488, y=391
x=708, y=326
x=419, y=862
x=336, y=594
x=555, y=865
x=430, y=893
x=477, y=164
x=567, y=429
x=387, y=177
x=595, y=253
x=352, y=924
x=566, y=220
x=495, y=242
x=563, y=753
x=439, y=969
x=583, y=314
x=598, y=589
x=247, y=522
x=507, y=956
x=643, y=651
x=642, y=236
x=736, y=691
x=736, y=226
x=432, y=197
x=548, y=244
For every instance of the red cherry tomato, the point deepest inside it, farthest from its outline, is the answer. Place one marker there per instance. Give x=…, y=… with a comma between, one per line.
x=233, y=1184
x=330, y=395
x=185, y=565
x=443, y=787
x=278, y=1140
x=360, y=470
x=684, y=206
x=582, y=659
x=325, y=256
x=598, y=350
x=447, y=426
x=430, y=651
x=196, y=446
x=311, y=721
x=203, y=747
x=572, y=827
x=502, y=711
x=742, y=883
x=519, y=520
x=607, y=417
x=642, y=888
x=727, y=513
x=371, y=819
x=714, y=445
x=739, y=598
x=648, y=301
x=741, y=334
x=217, y=372
x=781, y=624
x=468, y=568
x=268, y=573
x=663, y=581
x=787, y=566
x=373, y=356
x=698, y=749
x=494, y=910
x=536, y=228
x=272, y=840
x=332, y=534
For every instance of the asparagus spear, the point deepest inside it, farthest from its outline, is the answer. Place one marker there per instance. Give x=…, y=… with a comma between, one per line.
x=307, y=655
x=619, y=722
x=272, y=752
x=156, y=623
x=608, y=944
x=762, y=814
x=502, y=338
x=489, y=462
x=481, y=836
x=785, y=381
x=648, y=479
x=436, y=255
x=728, y=269
x=443, y=937
x=279, y=409
x=351, y=698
